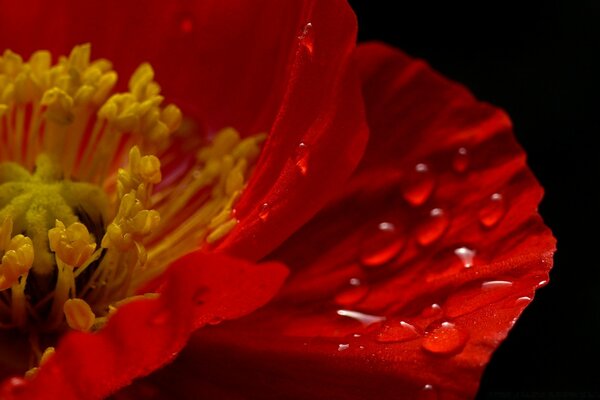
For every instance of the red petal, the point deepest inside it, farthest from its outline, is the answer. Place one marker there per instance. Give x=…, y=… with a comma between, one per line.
x=442, y=319
x=146, y=334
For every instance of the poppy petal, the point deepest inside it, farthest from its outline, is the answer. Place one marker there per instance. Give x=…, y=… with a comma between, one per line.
x=388, y=297
x=143, y=335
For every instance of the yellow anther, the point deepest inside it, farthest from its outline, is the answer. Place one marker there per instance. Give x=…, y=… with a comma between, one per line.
x=73, y=245
x=60, y=106
x=79, y=315
x=17, y=260
x=144, y=169
x=221, y=231
x=171, y=116
x=46, y=355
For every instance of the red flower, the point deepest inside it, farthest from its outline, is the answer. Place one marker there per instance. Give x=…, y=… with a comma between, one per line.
x=402, y=285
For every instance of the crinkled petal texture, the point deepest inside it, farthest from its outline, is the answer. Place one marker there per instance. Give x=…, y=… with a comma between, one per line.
x=284, y=68
x=143, y=335
x=405, y=285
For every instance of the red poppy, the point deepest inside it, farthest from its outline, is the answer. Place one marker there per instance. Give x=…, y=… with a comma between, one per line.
x=402, y=285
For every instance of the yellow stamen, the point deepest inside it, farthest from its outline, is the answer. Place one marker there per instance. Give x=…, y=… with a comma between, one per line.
x=79, y=315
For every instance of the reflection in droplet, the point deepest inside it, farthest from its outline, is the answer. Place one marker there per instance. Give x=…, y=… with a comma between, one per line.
x=444, y=339
x=380, y=245
x=433, y=310
x=352, y=294
x=263, y=211
x=491, y=285
x=493, y=211
x=460, y=162
x=465, y=255
x=302, y=157
x=428, y=392
x=343, y=346
x=542, y=283
x=395, y=333
x=307, y=38
x=364, y=319
x=523, y=300
x=418, y=185
x=432, y=228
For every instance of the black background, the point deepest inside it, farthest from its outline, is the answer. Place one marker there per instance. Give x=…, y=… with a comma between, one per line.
x=539, y=60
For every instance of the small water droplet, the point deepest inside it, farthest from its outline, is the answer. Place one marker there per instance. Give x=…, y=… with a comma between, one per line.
x=460, y=162
x=263, y=211
x=401, y=332
x=361, y=347
x=444, y=339
x=356, y=335
x=493, y=211
x=364, y=319
x=186, y=25
x=215, y=320
x=491, y=285
x=302, y=157
x=465, y=255
x=418, y=185
x=433, y=310
x=523, y=300
x=343, y=346
x=428, y=392
x=542, y=283
x=433, y=227
x=307, y=38
x=380, y=245
x=352, y=294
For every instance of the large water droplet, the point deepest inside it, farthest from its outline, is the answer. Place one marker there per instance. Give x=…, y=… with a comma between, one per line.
x=418, y=185
x=493, y=211
x=302, y=157
x=491, y=285
x=466, y=256
x=352, y=294
x=343, y=346
x=475, y=296
x=306, y=38
x=380, y=245
x=433, y=227
x=460, y=162
x=364, y=319
x=263, y=211
x=444, y=339
x=395, y=333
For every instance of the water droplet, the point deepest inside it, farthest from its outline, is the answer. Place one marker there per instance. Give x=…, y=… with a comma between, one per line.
x=444, y=339
x=523, y=300
x=433, y=227
x=302, y=157
x=491, y=285
x=343, y=346
x=460, y=162
x=397, y=333
x=428, y=392
x=465, y=255
x=307, y=38
x=353, y=294
x=418, y=185
x=493, y=211
x=381, y=245
x=364, y=319
x=433, y=310
x=361, y=347
x=263, y=211
x=542, y=283
x=215, y=320
x=186, y=25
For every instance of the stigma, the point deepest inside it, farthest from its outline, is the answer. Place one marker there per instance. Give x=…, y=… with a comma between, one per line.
x=86, y=215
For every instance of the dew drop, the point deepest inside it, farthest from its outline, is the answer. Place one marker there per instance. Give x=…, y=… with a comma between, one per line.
x=444, y=339
x=465, y=255
x=491, y=285
x=493, y=211
x=381, y=245
x=186, y=25
x=523, y=300
x=460, y=162
x=215, y=320
x=419, y=185
x=401, y=332
x=364, y=319
x=542, y=283
x=302, y=158
x=433, y=227
x=475, y=296
x=428, y=392
x=343, y=346
x=433, y=310
x=352, y=294
x=263, y=211
x=307, y=38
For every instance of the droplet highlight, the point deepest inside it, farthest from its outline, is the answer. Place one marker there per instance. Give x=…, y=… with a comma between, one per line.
x=428, y=392
x=460, y=162
x=307, y=38
x=364, y=319
x=493, y=211
x=418, y=185
x=445, y=339
x=434, y=310
x=264, y=211
x=466, y=256
x=352, y=294
x=396, y=333
x=433, y=227
x=381, y=245
x=302, y=158
x=343, y=346
x=491, y=285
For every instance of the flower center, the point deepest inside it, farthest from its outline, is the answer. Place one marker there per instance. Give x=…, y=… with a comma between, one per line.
x=78, y=234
